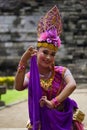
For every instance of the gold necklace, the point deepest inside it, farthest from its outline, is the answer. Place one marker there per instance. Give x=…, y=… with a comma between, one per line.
x=47, y=83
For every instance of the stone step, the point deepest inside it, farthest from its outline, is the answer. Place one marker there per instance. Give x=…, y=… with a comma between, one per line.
x=15, y=48
x=21, y=24
x=80, y=79
x=83, y=23
x=18, y=37
x=9, y=59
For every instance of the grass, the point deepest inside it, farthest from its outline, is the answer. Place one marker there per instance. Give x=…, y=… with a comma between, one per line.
x=13, y=96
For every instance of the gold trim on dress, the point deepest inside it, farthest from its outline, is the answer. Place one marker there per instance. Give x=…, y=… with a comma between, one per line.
x=78, y=115
x=29, y=126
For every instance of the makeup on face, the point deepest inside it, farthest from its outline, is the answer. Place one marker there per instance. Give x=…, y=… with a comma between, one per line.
x=47, y=52
x=45, y=56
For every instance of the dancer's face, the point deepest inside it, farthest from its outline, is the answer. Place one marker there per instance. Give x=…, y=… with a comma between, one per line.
x=45, y=57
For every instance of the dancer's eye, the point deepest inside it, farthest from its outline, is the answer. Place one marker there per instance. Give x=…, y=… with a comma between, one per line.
x=53, y=54
x=45, y=52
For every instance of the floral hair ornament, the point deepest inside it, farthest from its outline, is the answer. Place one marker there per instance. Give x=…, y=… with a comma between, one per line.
x=49, y=30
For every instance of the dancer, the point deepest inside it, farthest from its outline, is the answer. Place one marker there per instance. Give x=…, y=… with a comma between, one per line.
x=50, y=86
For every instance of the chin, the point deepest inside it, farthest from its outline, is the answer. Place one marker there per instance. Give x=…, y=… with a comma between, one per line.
x=46, y=65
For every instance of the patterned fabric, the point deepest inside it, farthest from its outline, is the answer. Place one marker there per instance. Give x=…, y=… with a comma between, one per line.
x=58, y=83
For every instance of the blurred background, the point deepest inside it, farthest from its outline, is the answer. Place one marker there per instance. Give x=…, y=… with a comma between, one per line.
x=18, y=30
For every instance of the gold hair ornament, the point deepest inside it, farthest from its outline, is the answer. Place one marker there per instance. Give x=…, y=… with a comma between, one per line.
x=47, y=45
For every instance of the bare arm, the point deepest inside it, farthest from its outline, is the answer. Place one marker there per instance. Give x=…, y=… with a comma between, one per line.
x=20, y=75
x=69, y=88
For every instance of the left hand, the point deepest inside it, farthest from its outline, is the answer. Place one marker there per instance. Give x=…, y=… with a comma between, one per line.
x=45, y=101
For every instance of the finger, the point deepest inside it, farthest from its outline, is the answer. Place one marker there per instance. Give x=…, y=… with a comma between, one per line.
x=41, y=100
x=41, y=103
x=31, y=48
x=44, y=97
x=34, y=52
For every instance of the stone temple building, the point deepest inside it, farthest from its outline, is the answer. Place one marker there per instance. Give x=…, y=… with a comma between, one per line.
x=18, y=27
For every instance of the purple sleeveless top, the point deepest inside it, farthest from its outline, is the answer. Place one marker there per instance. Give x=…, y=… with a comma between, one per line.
x=58, y=83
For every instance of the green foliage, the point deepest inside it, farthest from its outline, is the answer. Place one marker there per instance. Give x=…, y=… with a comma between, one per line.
x=13, y=96
x=8, y=81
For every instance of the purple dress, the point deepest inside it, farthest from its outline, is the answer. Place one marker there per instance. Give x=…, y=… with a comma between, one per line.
x=44, y=118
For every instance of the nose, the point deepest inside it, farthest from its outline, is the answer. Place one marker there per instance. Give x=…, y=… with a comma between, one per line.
x=48, y=57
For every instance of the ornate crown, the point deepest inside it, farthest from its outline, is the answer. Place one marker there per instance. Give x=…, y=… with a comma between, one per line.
x=49, y=29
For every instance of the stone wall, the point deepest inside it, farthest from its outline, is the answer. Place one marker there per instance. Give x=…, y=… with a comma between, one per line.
x=18, y=21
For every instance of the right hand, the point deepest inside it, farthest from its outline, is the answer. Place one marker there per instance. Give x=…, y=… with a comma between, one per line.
x=28, y=54
x=45, y=101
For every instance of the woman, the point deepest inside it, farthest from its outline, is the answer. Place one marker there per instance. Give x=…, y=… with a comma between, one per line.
x=50, y=107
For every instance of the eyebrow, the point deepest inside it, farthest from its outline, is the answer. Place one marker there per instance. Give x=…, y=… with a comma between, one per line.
x=48, y=50
x=53, y=52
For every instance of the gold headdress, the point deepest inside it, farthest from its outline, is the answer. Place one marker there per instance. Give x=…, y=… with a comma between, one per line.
x=50, y=27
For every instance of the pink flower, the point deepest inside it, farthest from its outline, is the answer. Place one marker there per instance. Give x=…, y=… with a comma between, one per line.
x=43, y=37
x=50, y=36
